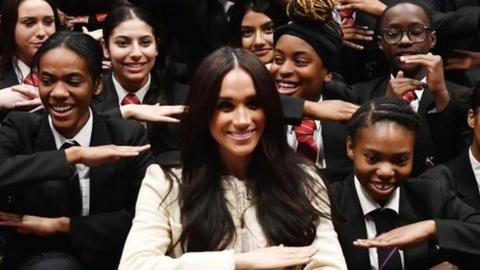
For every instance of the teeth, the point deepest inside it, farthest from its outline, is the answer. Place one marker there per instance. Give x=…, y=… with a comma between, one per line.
x=287, y=85
x=62, y=108
x=135, y=65
x=383, y=186
x=241, y=135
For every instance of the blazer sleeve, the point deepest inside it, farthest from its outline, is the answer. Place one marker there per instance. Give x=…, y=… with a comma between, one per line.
x=17, y=165
x=107, y=231
x=458, y=224
x=150, y=238
x=292, y=109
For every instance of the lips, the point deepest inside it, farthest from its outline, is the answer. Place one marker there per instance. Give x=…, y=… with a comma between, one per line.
x=287, y=88
x=241, y=135
x=134, y=67
x=61, y=110
x=37, y=44
x=262, y=52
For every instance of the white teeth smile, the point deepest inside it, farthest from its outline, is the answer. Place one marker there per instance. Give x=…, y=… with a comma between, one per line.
x=383, y=186
x=241, y=135
x=62, y=109
x=287, y=85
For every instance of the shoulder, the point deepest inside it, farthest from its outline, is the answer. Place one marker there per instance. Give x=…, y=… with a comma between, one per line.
x=164, y=182
x=121, y=128
x=25, y=120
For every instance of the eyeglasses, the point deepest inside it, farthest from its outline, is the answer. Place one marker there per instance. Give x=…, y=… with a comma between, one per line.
x=416, y=34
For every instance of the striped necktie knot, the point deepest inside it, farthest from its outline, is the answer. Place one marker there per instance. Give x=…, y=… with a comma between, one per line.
x=307, y=145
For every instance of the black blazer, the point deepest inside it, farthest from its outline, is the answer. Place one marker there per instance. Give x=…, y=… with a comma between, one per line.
x=35, y=174
x=435, y=128
x=463, y=180
x=162, y=136
x=458, y=226
x=7, y=79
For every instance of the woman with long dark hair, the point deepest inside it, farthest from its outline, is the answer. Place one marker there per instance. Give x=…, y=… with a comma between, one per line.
x=243, y=199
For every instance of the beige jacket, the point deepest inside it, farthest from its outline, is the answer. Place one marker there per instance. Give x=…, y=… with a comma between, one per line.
x=156, y=228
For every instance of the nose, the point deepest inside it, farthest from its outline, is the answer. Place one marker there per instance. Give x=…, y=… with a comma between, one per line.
x=385, y=171
x=405, y=39
x=59, y=91
x=242, y=118
x=41, y=31
x=285, y=70
x=135, y=51
x=258, y=40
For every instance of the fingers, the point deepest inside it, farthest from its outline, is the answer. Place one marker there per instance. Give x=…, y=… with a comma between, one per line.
x=10, y=217
x=173, y=109
x=129, y=151
x=27, y=90
x=428, y=60
x=298, y=255
x=352, y=45
x=357, y=33
x=399, y=75
x=37, y=103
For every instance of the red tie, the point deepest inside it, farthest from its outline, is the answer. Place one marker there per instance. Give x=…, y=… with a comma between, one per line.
x=306, y=143
x=32, y=79
x=130, y=99
x=409, y=96
x=346, y=15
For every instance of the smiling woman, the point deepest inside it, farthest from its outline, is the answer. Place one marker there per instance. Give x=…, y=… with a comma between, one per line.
x=242, y=199
x=69, y=189
x=26, y=24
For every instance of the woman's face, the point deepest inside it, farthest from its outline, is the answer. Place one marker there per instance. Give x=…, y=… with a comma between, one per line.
x=66, y=89
x=257, y=35
x=132, y=48
x=238, y=122
x=297, y=69
x=36, y=22
x=382, y=155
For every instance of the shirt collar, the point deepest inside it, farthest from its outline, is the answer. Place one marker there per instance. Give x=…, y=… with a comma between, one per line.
x=473, y=161
x=22, y=71
x=121, y=92
x=368, y=204
x=83, y=137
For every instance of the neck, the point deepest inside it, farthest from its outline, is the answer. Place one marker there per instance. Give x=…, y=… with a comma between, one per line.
x=71, y=132
x=131, y=86
x=237, y=166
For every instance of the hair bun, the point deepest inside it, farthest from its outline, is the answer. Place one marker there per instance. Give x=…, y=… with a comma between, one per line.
x=312, y=11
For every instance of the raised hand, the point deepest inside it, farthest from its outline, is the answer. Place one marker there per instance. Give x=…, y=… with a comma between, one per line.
x=372, y=7
x=41, y=226
x=332, y=110
x=398, y=86
x=354, y=33
x=274, y=257
x=402, y=237
x=433, y=66
x=153, y=113
x=97, y=155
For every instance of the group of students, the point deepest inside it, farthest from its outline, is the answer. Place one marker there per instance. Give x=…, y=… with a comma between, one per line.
x=252, y=164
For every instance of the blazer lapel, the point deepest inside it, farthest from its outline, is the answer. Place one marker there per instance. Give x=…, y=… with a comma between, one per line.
x=466, y=184
x=44, y=141
x=352, y=226
x=426, y=102
x=100, y=136
x=414, y=257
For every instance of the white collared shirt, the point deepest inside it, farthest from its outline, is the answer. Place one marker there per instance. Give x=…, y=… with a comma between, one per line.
x=368, y=205
x=475, y=167
x=317, y=136
x=121, y=92
x=415, y=104
x=83, y=138
x=23, y=70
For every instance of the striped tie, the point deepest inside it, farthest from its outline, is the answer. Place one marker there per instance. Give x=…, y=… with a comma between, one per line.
x=306, y=143
x=130, y=99
x=409, y=96
x=32, y=79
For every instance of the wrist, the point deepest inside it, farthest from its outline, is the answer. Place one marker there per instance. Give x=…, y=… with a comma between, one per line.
x=240, y=263
x=73, y=155
x=441, y=97
x=126, y=111
x=63, y=224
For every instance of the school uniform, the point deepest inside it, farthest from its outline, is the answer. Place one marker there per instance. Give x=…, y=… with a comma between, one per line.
x=162, y=136
x=417, y=199
x=430, y=146
x=330, y=138
x=100, y=203
x=13, y=77
x=465, y=177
